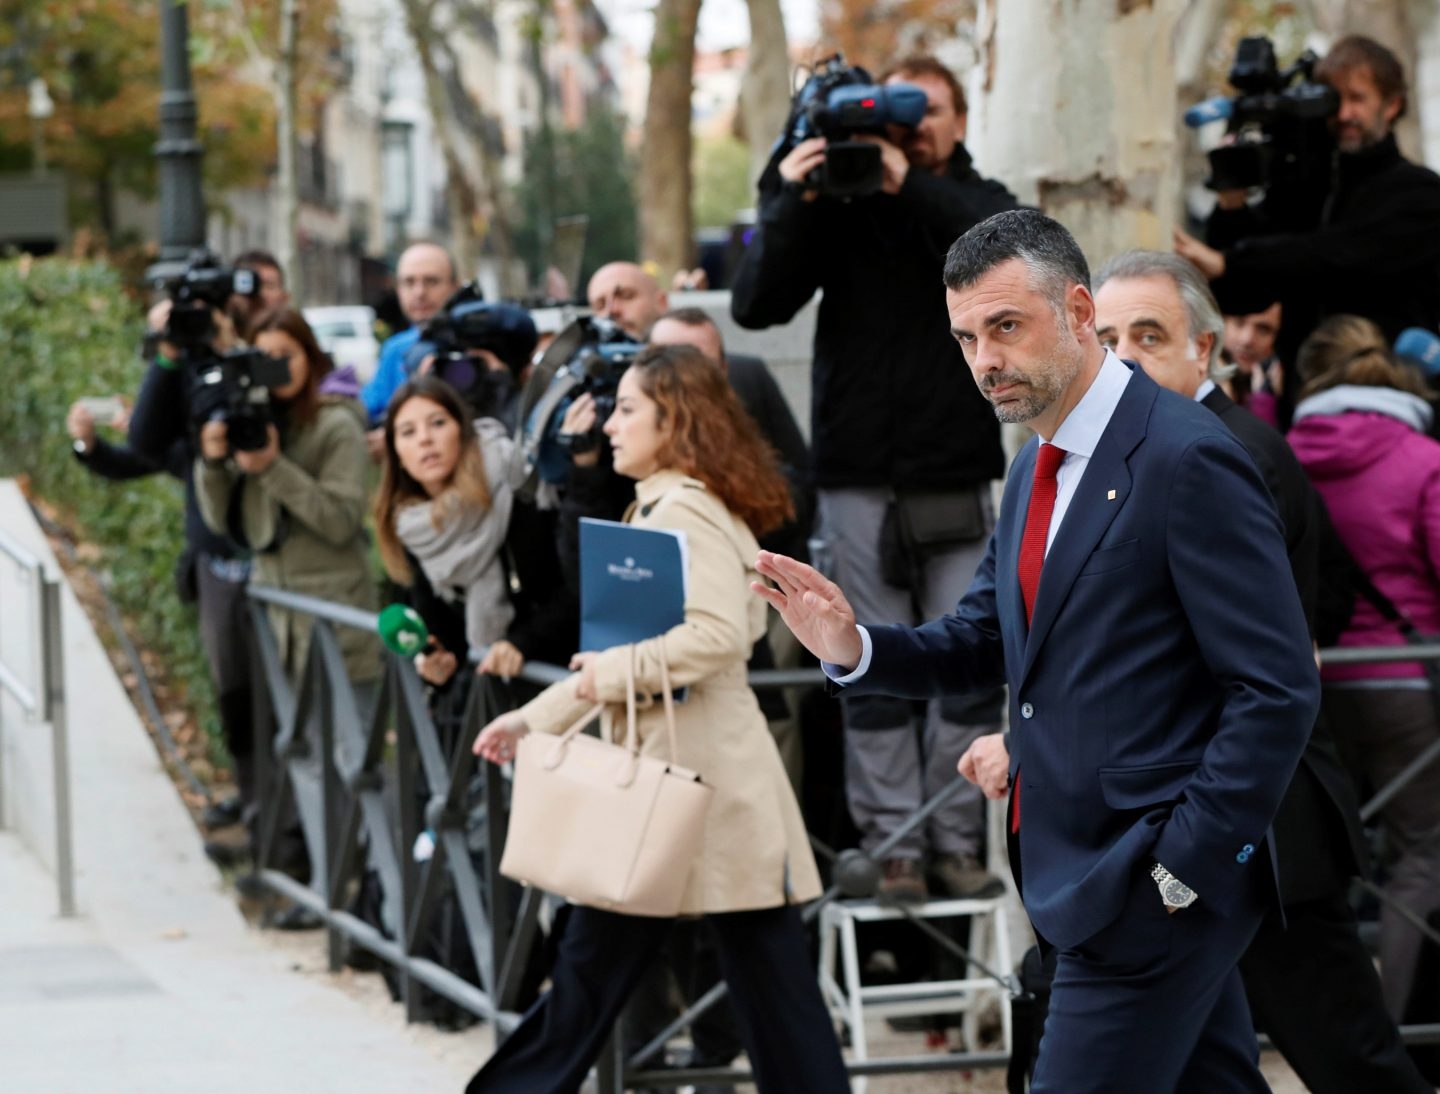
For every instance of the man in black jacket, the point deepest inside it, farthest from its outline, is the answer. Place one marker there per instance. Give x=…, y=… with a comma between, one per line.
x=212, y=574
x=1375, y=251
x=903, y=443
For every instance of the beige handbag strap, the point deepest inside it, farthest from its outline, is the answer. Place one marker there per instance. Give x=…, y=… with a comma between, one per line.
x=632, y=733
x=669, y=699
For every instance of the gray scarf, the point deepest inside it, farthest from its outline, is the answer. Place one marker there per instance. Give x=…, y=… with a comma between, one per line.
x=462, y=558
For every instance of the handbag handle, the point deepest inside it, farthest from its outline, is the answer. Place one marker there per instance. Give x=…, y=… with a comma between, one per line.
x=632, y=743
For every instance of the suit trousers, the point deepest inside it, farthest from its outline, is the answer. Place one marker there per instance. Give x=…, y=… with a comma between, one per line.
x=1313, y=989
x=890, y=770
x=1153, y=1004
x=764, y=957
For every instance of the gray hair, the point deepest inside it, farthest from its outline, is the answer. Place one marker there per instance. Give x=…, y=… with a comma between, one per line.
x=1202, y=314
x=1048, y=251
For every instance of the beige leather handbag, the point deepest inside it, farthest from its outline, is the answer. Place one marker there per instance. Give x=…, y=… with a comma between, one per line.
x=602, y=825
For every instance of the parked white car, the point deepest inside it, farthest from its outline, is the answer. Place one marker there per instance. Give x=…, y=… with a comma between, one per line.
x=347, y=333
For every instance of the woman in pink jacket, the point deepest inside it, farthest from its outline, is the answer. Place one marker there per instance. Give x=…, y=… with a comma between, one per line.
x=1360, y=433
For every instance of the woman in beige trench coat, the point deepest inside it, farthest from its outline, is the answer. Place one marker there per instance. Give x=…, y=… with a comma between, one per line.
x=702, y=470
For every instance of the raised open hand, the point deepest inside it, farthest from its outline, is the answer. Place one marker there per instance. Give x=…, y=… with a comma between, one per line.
x=813, y=607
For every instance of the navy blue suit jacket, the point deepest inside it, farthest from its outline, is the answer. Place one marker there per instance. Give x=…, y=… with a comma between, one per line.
x=1161, y=699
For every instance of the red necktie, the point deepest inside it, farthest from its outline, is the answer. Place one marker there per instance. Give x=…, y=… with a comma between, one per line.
x=1037, y=524
x=1032, y=553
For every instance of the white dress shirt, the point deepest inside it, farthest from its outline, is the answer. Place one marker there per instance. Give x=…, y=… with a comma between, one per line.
x=1078, y=435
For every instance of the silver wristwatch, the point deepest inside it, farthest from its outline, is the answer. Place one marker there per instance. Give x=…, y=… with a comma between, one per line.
x=1174, y=892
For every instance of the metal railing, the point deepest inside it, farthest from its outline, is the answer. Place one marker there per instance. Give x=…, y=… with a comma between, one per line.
x=45, y=702
x=396, y=748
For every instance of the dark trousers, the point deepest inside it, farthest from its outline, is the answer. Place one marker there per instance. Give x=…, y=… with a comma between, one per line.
x=1153, y=1003
x=765, y=960
x=1314, y=990
x=224, y=632
x=691, y=959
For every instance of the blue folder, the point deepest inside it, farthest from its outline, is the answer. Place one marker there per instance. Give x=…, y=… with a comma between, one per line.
x=632, y=582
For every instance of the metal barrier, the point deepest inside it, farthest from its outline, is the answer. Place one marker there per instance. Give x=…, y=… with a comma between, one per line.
x=45, y=703
x=396, y=744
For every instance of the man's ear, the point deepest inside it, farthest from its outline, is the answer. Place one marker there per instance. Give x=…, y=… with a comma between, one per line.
x=1080, y=307
x=1392, y=108
x=1204, y=347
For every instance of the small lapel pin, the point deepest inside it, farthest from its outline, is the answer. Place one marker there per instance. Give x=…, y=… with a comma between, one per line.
x=1110, y=496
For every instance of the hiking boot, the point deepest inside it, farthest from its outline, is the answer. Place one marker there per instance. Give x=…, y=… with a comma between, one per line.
x=964, y=878
x=904, y=882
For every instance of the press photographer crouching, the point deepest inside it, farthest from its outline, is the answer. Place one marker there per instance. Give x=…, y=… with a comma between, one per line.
x=904, y=446
x=1344, y=223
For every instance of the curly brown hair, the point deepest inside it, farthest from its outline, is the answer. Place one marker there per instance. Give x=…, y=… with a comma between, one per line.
x=468, y=487
x=711, y=437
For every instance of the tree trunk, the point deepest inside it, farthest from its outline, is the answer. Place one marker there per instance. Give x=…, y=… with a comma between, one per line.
x=665, y=182
x=287, y=182
x=460, y=198
x=1076, y=112
x=765, y=88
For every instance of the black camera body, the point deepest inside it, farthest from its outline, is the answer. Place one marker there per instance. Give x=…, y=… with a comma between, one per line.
x=1278, y=123
x=203, y=286
x=588, y=357
x=466, y=324
x=840, y=102
x=234, y=388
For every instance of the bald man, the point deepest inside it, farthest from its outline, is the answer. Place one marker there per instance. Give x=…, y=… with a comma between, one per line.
x=425, y=277
x=629, y=296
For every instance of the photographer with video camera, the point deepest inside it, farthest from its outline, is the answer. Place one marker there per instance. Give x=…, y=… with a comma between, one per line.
x=1346, y=225
x=868, y=189
x=282, y=471
x=193, y=324
x=285, y=477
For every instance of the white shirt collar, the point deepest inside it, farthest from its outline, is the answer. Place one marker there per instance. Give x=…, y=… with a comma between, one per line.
x=1207, y=385
x=1080, y=431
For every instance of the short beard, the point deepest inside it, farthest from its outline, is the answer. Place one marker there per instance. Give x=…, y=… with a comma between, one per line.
x=1045, y=383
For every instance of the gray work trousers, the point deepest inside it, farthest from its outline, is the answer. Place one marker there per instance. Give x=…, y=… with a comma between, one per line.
x=890, y=769
x=1379, y=731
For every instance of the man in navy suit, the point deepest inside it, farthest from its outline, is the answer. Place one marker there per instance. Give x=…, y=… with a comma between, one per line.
x=1137, y=600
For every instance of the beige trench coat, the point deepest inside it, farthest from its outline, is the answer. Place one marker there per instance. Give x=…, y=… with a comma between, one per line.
x=755, y=852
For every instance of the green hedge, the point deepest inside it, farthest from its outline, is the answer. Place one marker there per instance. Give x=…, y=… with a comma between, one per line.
x=69, y=329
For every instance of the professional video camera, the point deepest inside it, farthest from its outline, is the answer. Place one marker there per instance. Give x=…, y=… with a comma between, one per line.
x=201, y=288
x=468, y=323
x=1277, y=127
x=839, y=102
x=234, y=388
x=588, y=356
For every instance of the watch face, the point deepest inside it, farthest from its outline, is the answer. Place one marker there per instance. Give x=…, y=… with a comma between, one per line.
x=1177, y=894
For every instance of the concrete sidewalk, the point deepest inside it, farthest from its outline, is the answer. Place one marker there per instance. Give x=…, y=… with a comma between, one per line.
x=158, y=985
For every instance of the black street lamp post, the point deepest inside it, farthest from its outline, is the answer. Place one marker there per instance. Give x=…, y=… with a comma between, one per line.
x=182, y=209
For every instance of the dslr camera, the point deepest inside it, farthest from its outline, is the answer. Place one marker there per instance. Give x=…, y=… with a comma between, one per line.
x=1277, y=124
x=466, y=324
x=587, y=357
x=840, y=102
